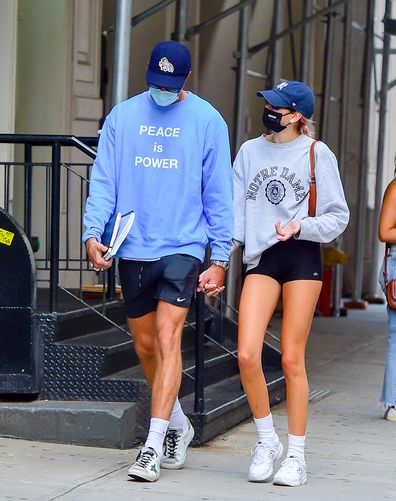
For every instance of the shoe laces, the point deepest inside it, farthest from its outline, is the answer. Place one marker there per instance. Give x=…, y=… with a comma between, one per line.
x=172, y=440
x=145, y=457
x=261, y=452
x=291, y=462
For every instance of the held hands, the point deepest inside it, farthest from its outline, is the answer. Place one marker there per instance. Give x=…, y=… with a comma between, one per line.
x=96, y=251
x=292, y=228
x=211, y=281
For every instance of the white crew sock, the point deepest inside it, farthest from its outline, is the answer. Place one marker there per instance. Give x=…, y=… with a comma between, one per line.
x=266, y=431
x=296, y=447
x=156, y=435
x=178, y=420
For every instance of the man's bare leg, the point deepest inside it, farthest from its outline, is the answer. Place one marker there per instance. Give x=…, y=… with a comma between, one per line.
x=144, y=333
x=170, y=321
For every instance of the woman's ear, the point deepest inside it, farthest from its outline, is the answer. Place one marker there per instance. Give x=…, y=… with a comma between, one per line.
x=296, y=117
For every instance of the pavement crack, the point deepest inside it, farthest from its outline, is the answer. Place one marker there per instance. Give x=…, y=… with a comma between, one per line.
x=88, y=482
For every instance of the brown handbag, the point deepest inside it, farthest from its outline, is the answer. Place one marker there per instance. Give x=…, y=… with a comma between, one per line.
x=312, y=182
x=390, y=287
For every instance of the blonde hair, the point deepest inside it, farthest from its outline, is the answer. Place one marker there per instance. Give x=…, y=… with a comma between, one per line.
x=306, y=126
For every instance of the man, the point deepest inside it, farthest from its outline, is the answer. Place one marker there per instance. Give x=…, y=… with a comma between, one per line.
x=165, y=154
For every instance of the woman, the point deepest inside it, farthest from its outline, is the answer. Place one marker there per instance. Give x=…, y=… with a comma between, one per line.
x=283, y=255
x=387, y=233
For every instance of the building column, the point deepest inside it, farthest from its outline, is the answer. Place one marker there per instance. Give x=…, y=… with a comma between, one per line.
x=8, y=36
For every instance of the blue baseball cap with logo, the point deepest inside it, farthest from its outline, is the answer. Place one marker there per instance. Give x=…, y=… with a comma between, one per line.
x=169, y=65
x=291, y=94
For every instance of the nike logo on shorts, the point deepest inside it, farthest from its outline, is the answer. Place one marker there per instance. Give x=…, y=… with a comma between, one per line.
x=179, y=300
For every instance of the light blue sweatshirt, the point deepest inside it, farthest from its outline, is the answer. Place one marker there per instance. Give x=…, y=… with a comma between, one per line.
x=171, y=165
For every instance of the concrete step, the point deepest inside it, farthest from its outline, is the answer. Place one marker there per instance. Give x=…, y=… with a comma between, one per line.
x=95, y=424
x=82, y=321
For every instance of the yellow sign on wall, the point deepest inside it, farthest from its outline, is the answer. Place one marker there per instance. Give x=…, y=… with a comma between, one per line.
x=6, y=237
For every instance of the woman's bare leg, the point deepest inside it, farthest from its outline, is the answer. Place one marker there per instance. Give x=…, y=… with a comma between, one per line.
x=299, y=302
x=259, y=297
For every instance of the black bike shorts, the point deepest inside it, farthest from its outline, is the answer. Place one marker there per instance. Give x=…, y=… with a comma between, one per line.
x=291, y=260
x=172, y=279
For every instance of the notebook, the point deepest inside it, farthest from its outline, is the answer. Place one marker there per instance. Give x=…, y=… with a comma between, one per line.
x=122, y=226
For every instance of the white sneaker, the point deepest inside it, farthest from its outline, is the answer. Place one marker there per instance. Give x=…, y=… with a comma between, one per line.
x=175, y=447
x=293, y=473
x=390, y=413
x=146, y=467
x=264, y=457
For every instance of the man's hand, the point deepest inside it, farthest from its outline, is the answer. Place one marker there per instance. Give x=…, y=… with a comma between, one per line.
x=96, y=251
x=292, y=228
x=211, y=281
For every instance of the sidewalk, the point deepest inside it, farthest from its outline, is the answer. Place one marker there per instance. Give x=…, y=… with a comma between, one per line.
x=351, y=451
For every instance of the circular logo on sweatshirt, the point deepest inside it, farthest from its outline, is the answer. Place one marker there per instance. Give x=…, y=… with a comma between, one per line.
x=275, y=192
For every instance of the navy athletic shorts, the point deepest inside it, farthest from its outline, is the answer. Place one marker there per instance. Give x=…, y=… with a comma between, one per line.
x=291, y=260
x=172, y=279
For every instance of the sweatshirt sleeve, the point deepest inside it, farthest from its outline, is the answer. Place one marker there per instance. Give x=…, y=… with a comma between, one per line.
x=217, y=189
x=102, y=197
x=332, y=213
x=239, y=199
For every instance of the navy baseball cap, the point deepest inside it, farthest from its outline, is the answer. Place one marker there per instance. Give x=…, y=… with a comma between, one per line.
x=291, y=94
x=169, y=65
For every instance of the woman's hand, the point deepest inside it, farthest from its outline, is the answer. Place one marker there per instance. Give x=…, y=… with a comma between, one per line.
x=292, y=228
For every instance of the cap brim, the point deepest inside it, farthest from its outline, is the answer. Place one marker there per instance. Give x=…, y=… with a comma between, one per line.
x=160, y=80
x=273, y=98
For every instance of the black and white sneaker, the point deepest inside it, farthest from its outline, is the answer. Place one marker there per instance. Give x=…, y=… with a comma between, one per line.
x=175, y=447
x=390, y=413
x=146, y=466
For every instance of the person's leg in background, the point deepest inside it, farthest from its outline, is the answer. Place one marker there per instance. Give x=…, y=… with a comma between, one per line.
x=388, y=396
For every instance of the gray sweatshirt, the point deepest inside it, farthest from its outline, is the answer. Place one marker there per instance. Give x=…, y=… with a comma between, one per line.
x=271, y=183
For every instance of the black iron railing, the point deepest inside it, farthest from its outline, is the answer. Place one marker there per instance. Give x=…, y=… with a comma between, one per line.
x=49, y=179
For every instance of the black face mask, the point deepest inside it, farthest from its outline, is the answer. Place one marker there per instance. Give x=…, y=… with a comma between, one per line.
x=272, y=119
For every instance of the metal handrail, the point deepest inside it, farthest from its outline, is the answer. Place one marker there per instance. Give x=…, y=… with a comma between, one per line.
x=107, y=319
x=47, y=139
x=56, y=142
x=229, y=352
x=67, y=166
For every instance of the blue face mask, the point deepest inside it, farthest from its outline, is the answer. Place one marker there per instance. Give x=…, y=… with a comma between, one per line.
x=163, y=97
